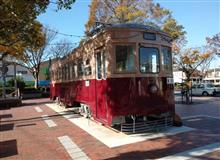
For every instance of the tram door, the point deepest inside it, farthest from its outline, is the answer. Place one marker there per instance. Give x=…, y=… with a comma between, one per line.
x=101, y=108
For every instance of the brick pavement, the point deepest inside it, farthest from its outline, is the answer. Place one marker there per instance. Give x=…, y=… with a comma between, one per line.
x=24, y=135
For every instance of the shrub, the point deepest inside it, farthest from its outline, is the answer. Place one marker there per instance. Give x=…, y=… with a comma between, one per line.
x=20, y=83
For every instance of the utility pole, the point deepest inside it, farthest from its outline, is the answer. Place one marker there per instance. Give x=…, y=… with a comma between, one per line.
x=15, y=81
x=4, y=78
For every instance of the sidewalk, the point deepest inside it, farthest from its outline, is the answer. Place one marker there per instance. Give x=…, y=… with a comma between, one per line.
x=35, y=131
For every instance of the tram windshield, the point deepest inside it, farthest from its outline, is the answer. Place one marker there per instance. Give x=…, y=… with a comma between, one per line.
x=149, y=60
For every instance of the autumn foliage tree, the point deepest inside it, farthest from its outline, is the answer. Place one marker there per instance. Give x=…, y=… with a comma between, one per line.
x=133, y=11
x=190, y=60
x=18, y=25
x=19, y=29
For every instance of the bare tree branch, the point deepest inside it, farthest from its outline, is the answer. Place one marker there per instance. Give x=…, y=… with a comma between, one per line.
x=33, y=58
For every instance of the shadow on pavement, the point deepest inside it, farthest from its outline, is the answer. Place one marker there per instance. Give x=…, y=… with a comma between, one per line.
x=6, y=116
x=6, y=127
x=8, y=148
x=25, y=125
x=34, y=119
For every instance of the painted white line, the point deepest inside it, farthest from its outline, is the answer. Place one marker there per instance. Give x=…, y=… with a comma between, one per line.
x=111, y=138
x=212, y=117
x=194, y=119
x=199, y=116
x=189, y=117
x=194, y=152
x=48, y=121
x=38, y=109
x=73, y=150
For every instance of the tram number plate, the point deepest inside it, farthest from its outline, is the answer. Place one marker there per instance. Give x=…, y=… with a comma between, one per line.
x=87, y=83
x=169, y=80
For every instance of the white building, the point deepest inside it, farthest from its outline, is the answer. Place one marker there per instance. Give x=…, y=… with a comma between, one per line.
x=20, y=71
x=178, y=76
x=213, y=76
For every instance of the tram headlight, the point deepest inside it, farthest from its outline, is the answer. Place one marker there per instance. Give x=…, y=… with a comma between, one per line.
x=153, y=89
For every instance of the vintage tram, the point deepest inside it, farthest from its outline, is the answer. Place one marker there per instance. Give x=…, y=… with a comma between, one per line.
x=121, y=75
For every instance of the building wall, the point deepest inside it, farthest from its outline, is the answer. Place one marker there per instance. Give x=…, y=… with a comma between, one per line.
x=178, y=76
x=20, y=71
x=213, y=76
x=44, y=71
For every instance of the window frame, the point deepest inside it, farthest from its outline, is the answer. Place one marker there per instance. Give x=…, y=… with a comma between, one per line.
x=171, y=60
x=151, y=34
x=158, y=58
x=80, y=64
x=87, y=66
x=133, y=45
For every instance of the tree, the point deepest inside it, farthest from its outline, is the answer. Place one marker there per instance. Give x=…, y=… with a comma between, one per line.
x=61, y=49
x=189, y=60
x=18, y=25
x=19, y=29
x=133, y=11
x=214, y=43
x=34, y=57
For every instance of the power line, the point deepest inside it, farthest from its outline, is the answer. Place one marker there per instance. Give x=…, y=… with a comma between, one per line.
x=64, y=34
x=60, y=44
x=53, y=2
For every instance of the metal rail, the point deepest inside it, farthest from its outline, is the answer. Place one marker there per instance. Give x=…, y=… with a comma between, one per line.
x=147, y=126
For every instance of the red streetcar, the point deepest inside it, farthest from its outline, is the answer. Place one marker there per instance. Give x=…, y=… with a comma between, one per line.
x=121, y=76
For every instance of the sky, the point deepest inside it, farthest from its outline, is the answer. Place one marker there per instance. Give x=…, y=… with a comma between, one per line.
x=200, y=18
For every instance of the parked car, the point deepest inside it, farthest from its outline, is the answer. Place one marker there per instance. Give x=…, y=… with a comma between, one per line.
x=205, y=89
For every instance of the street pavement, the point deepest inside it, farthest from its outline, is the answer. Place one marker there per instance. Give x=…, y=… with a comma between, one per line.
x=35, y=131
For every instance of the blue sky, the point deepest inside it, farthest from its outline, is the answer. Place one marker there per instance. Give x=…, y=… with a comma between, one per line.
x=200, y=18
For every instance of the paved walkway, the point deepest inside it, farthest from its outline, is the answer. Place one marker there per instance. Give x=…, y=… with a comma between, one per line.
x=35, y=131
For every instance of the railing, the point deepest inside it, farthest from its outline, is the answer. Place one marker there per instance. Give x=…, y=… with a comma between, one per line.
x=13, y=94
x=147, y=126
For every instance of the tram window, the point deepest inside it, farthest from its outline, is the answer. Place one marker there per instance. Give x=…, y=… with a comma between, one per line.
x=167, y=59
x=124, y=58
x=60, y=73
x=75, y=70
x=80, y=68
x=149, y=36
x=64, y=73
x=67, y=72
x=99, y=65
x=87, y=68
x=70, y=71
x=149, y=60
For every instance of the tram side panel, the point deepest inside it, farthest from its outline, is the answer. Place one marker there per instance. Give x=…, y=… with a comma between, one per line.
x=132, y=96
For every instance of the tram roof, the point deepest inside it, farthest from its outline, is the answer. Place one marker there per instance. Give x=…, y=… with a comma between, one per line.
x=104, y=26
